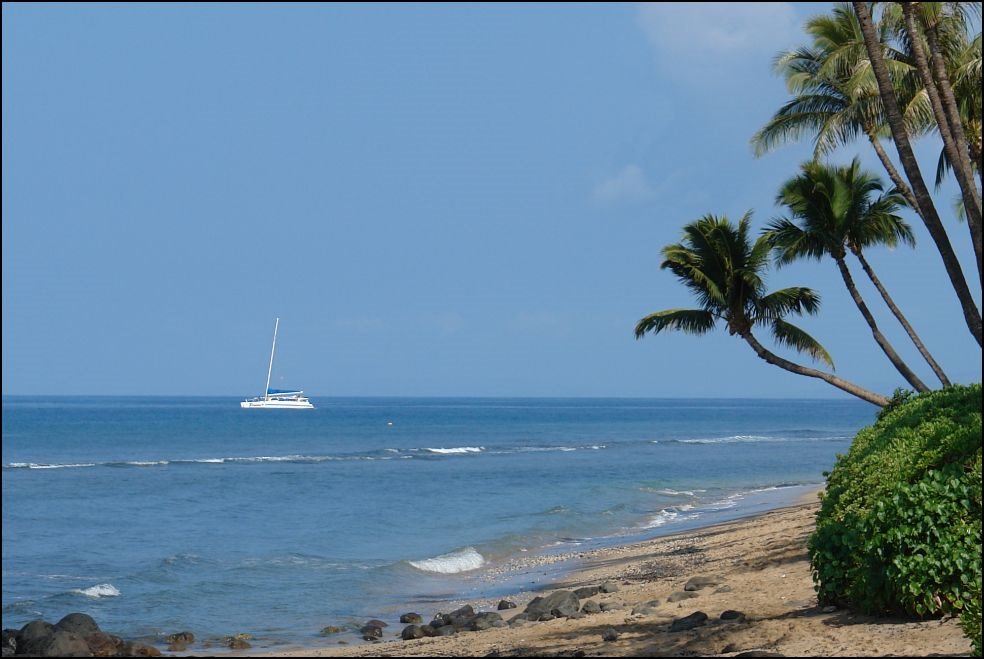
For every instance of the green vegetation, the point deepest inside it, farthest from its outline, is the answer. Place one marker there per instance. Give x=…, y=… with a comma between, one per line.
x=899, y=530
x=725, y=270
x=833, y=212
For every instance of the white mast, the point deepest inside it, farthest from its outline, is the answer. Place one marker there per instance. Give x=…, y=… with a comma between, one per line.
x=266, y=392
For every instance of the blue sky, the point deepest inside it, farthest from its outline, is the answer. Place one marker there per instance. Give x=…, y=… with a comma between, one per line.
x=461, y=200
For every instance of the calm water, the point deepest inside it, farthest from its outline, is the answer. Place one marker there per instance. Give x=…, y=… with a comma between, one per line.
x=156, y=515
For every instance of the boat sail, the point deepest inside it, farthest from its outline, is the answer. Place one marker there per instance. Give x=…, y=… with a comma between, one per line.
x=277, y=399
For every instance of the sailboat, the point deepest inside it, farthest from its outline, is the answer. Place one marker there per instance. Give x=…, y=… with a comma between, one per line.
x=278, y=399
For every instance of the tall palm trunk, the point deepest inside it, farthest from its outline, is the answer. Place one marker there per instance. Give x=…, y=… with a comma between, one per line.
x=929, y=215
x=937, y=369
x=880, y=339
x=936, y=82
x=893, y=173
x=829, y=378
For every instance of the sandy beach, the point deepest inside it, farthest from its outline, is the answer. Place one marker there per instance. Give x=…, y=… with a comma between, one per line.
x=758, y=571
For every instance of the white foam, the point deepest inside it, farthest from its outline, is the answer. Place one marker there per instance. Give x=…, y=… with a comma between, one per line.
x=462, y=560
x=100, y=590
x=729, y=440
x=459, y=449
x=667, y=516
x=33, y=465
x=673, y=493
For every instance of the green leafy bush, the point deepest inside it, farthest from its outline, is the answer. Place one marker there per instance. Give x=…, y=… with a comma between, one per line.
x=899, y=529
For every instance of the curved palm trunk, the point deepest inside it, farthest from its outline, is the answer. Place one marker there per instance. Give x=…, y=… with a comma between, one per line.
x=928, y=213
x=880, y=339
x=948, y=121
x=937, y=369
x=792, y=367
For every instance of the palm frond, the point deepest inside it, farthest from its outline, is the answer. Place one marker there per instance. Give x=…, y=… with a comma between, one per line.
x=789, y=335
x=781, y=303
x=691, y=321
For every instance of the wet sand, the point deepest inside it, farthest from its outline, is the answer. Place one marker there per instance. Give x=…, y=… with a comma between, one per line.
x=761, y=571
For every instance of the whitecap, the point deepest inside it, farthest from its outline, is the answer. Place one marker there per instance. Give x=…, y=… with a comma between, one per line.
x=97, y=591
x=459, y=449
x=462, y=560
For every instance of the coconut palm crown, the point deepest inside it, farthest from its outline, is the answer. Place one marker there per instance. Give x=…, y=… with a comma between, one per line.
x=836, y=210
x=833, y=212
x=723, y=268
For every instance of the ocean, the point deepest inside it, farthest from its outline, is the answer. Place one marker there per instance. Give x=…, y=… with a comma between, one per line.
x=156, y=515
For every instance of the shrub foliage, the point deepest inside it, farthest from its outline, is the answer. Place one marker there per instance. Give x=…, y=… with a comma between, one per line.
x=899, y=529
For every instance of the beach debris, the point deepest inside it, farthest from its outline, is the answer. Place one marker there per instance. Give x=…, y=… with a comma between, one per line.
x=695, y=619
x=506, y=604
x=697, y=583
x=609, y=635
x=412, y=619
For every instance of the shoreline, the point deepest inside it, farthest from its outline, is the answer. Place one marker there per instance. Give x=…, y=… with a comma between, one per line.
x=761, y=572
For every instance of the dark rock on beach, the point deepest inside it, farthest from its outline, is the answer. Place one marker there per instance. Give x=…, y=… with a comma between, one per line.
x=559, y=604
x=506, y=604
x=77, y=623
x=587, y=591
x=58, y=643
x=412, y=632
x=102, y=644
x=180, y=641
x=411, y=619
x=695, y=619
x=137, y=649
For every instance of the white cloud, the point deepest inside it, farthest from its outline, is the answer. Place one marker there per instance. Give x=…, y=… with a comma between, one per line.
x=711, y=35
x=630, y=185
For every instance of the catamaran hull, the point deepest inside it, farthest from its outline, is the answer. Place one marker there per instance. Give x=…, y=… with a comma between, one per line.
x=277, y=404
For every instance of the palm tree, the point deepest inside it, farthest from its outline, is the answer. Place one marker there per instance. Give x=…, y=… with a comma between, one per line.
x=935, y=78
x=723, y=268
x=832, y=213
x=835, y=96
x=924, y=201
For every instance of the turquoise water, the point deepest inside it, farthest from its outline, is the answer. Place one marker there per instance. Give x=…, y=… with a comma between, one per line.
x=156, y=515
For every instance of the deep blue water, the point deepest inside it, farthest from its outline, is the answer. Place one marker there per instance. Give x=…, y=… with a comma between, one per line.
x=156, y=515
